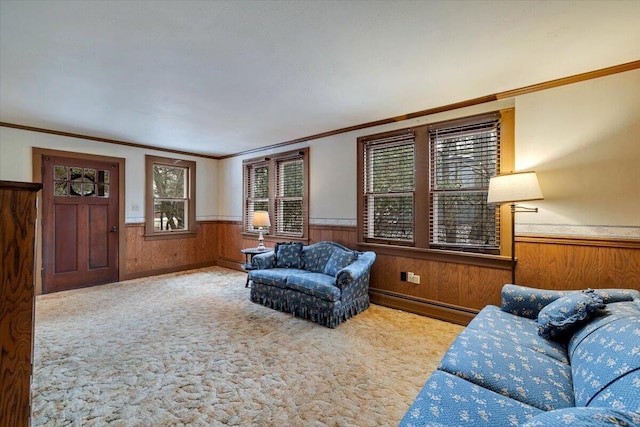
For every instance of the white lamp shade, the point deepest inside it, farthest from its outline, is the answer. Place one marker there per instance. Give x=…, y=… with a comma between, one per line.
x=515, y=187
x=261, y=219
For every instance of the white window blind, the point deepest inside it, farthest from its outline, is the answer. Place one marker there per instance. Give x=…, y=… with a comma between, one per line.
x=462, y=159
x=389, y=186
x=289, y=216
x=278, y=184
x=257, y=199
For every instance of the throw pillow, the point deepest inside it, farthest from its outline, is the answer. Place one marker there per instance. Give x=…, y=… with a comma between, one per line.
x=339, y=259
x=289, y=255
x=584, y=417
x=563, y=316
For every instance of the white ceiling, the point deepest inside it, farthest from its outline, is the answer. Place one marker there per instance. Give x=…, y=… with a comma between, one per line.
x=223, y=77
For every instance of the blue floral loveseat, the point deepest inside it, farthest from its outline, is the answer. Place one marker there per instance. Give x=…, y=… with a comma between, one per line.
x=324, y=282
x=545, y=358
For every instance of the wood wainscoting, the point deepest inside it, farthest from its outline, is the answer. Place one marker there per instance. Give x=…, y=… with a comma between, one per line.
x=151, y=257
x=232, y=240
x=577, y=263
x=451, y=291
x=455, y=292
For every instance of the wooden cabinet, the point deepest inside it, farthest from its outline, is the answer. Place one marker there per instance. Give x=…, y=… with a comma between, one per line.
x=18, y=212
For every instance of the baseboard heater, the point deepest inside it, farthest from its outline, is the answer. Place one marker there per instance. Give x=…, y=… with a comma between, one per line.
x=439, y=310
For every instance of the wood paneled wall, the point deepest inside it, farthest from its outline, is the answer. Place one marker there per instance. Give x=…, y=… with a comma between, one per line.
x=232, y=240
x=455, y=291
x=570, y=263
x=151, y=257
x=447, y=290
x=453, y=284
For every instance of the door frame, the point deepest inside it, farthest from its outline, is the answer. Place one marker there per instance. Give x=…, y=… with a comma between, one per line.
x=36, y=161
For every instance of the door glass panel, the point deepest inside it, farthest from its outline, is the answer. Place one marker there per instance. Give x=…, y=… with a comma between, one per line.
x=88, y=189
x=61, y=189
x=75, y=189
x=60, y=173
x=89, y=175
x=103, y=190
x=75, y=174
x=77, y=181
x=103, y=177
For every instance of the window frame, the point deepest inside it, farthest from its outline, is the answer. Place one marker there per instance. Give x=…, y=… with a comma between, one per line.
x=454, y=129
x=387, y=140
x=421, y=246
x=275, y=200
x=190, y=230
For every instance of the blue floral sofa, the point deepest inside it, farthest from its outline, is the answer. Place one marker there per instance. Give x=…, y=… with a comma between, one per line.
x=545, y=358
x=324, y=282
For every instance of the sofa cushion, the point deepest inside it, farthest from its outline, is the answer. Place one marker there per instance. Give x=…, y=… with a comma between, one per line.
x=316, y=284
x=339, y=260
x=317, y=255
x=274, y=276
x=563, y=316
x=623, y=393
x=510, y=369
x=519, y=330
x=289, y=255
x=447, y=400
x=584, y=417
x=605, y=356
x=613, y=311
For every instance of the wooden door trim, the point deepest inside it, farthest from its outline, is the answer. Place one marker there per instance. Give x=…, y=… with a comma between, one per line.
x=36, y=156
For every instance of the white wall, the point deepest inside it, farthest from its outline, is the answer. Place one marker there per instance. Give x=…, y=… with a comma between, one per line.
x=332, y=169
x=583, y=140
x=15, y=165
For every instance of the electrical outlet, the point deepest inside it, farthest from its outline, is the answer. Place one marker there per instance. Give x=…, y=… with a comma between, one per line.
x=413, y=278
x=403, y=276
x=135, y=207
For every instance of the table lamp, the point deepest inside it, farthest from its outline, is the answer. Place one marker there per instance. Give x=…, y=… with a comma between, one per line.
x=260, y=220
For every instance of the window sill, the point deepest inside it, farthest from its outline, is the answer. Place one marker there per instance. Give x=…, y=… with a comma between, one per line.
x=483, y=260
x=171, y=235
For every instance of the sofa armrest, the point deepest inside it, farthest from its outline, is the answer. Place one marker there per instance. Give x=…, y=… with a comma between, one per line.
x=265, y=260
x=527, y=302
x=357, y=273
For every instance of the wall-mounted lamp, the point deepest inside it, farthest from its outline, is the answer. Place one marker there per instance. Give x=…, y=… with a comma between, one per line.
x=260, y=220
x=512, y=188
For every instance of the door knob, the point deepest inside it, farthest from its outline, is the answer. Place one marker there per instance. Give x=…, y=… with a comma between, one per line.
x=114, y=229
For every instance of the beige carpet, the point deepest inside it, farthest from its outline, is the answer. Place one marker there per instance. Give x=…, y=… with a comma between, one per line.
x=191, y=349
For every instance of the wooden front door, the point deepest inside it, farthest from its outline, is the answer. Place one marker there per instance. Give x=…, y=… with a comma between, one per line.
x=80, y=222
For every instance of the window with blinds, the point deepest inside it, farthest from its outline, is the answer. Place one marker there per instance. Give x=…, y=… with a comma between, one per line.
x=462, y=159
x=289, y=196
x=278, y=185
x=257, y=179
x=426, y=187
x=389, y=186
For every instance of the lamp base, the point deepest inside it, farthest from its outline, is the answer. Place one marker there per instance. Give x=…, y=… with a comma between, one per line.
x=261, y=246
